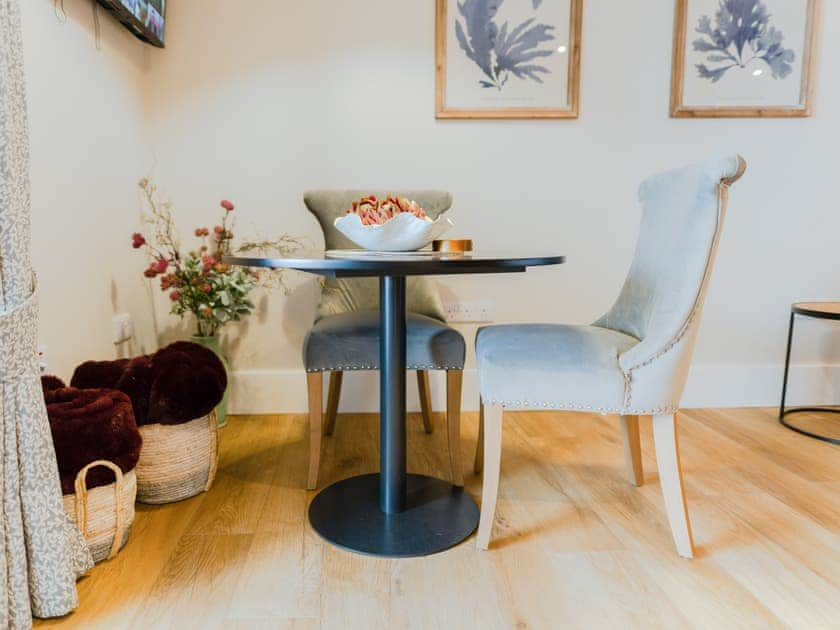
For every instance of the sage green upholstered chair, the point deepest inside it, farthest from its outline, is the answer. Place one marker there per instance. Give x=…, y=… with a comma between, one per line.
x=345, y=335
x=634, y=360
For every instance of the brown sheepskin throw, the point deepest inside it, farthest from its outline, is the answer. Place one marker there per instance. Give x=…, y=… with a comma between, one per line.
x=87, y=425
x=179, y=383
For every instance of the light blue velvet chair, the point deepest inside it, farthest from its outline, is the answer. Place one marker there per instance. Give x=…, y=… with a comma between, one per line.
x=345, y=335
x=631, y=362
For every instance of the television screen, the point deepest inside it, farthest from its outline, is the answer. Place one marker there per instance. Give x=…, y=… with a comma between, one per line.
x=145, y=18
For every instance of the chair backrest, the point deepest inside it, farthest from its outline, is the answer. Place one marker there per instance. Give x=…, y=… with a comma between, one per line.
x=348, y=295
x=682, y=217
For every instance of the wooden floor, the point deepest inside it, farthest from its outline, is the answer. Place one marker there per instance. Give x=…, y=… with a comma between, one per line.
x=574, y=545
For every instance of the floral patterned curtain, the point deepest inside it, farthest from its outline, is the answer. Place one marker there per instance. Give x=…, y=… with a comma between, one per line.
x=41, y=553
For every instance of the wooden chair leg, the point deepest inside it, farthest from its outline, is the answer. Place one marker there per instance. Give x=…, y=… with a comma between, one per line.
x=332, y=402
x=492, y=468
x=632, y=449
x=425, y=399
x=670, y=477
x=315, y=391
x=478, y=463
x=454, y=379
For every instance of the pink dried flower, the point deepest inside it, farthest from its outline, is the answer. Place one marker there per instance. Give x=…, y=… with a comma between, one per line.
x=160, y=265
x=209, y=262
x=227, y=205
x=137, y=240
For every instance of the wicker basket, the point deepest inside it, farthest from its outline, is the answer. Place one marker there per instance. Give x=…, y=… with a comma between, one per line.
x=104, y=515
x=177, y=461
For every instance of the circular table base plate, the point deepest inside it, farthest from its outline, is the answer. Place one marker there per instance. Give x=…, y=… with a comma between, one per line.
x=438, y=516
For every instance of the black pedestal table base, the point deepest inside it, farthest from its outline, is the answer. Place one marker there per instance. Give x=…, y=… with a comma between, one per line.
x=393, y=513
x=437, y=516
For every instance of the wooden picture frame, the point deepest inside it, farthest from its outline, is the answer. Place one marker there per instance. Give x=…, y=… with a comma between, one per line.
x=573, y=49
x=808, y=62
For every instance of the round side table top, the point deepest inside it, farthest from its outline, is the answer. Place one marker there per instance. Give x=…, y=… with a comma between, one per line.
x=823, y=310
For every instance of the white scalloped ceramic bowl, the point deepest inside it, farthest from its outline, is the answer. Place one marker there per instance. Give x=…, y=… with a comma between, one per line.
x=404, y=233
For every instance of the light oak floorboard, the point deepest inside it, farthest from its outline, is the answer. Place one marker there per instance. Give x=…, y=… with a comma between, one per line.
x=574, y=543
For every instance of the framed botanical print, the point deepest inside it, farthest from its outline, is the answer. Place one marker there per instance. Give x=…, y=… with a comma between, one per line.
x=508, y=58
x=745, y=58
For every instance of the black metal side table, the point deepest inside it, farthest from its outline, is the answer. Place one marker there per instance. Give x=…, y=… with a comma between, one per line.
x=818, y=310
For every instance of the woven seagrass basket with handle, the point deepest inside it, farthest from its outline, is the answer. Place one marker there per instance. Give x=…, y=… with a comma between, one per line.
x=104, y=514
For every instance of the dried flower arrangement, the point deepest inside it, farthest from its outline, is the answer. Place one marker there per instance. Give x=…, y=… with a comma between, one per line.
x=199, y=282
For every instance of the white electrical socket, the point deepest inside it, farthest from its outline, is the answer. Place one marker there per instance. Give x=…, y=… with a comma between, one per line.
x=122, y=328
x=475, y=311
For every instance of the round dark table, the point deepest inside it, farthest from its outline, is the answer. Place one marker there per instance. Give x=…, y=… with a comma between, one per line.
x=392, y=513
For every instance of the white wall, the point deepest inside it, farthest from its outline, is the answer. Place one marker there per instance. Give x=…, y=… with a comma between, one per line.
x=88, y=138
x=261, y=102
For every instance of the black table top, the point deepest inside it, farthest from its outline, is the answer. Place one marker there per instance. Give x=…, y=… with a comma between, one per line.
x=399, y=265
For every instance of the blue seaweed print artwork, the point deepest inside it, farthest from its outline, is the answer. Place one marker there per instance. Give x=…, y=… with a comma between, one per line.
x=740, y=34
x=501, y=51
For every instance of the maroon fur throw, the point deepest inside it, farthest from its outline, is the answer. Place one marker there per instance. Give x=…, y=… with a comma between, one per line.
x=88, y=425
x=178, y=383
x=49, y=383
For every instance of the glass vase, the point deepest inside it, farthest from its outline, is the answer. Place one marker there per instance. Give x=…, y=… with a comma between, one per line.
x=212, y=344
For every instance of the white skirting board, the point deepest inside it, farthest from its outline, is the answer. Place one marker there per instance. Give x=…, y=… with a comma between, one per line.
x=759, y=385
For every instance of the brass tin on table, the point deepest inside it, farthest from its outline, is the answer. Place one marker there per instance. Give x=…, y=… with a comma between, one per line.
x=453, y=245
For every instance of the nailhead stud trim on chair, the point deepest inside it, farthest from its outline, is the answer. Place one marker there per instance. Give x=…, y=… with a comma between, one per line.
x=513, y=404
